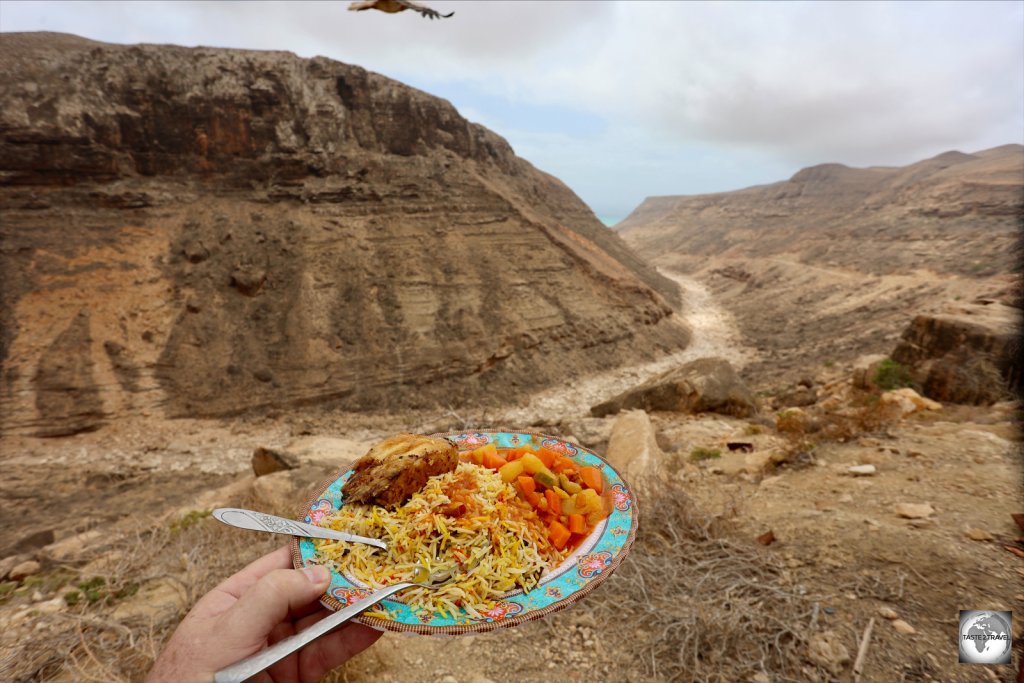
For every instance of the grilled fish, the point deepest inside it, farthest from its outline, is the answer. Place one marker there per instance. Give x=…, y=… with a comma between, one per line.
x=398, y=467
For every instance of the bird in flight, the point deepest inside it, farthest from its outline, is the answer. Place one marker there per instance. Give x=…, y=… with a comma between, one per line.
x=392, y=6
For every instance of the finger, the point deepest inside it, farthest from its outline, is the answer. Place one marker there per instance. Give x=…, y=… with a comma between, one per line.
x=333, y=650
x=239, y=583
x=249, y=622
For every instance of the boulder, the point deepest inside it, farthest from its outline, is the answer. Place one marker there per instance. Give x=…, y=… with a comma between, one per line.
x=269, y=460
x=864, y=369
x=24, y=570
x=907, y=401
x=971, y=357
x=633, y=450
x=705, y=385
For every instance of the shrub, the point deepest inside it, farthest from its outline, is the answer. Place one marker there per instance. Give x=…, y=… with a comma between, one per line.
x=891, y=375
x=700, y=453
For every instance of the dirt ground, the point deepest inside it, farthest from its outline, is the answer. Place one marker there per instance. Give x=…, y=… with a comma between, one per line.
x=115, y=502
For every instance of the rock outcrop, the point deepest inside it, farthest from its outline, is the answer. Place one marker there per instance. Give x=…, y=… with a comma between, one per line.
x=202, y=232
x=972, y=357
x=707, y=385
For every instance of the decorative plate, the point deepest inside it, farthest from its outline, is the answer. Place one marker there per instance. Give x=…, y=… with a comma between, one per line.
x=590, y=564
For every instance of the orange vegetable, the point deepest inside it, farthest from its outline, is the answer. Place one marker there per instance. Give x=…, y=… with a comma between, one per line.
x=558, y=534
x=527, y=484
x=577, y=524
x=547, y=457
x=493, y=461
x=535, y=499
x=513, y=454
x=591, y=476
x=554, y=501
x=561, y=464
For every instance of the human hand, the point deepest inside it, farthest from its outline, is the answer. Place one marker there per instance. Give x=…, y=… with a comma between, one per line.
x=257, y=607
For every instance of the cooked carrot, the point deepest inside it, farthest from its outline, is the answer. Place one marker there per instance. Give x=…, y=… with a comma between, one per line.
x=558, y=534
x=535, y=499
x=554, y=501
x=527, y=484
x=547, y=457
x=591, y=476
x=561, y=464
x=493, y=461
x=577, y=524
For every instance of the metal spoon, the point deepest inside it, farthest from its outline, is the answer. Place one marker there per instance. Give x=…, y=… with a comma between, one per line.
x=243, y=670
x=261, y=521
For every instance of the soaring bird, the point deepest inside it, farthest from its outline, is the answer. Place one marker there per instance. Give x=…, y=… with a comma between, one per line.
x=392, y=6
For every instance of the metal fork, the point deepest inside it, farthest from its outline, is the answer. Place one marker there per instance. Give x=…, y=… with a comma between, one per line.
x=243, y=670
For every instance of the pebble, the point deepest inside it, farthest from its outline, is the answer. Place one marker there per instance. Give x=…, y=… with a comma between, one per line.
x=978, y=535
x=888, y=613
x=24, y=570
x=862, y=470
x=903, y=627
x=846, y=498
x=914, y=510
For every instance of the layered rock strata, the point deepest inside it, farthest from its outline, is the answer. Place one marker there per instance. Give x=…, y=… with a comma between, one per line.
x=203, y=232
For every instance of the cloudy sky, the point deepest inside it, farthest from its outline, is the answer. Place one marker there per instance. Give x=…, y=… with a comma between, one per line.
x=627, y=99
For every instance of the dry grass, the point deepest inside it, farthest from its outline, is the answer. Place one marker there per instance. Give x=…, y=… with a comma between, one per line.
x=86, y=643
x=691, y=604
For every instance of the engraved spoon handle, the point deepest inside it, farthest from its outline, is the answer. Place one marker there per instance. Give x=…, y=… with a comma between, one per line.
x=261, y=521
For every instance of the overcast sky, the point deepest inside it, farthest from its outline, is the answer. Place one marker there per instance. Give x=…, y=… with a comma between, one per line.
x=623, y=100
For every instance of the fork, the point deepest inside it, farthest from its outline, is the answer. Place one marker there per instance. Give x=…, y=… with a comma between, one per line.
x=243, y=670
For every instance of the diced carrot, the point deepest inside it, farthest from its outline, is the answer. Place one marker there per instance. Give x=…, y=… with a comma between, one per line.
x=513, y=454
x=558, y=534
x=493, y=461
x=554, y=501
x=527, y=484
x=561, y=464
x=591, y=476
x=547, y=457
x=577, y=524
x=534, y=499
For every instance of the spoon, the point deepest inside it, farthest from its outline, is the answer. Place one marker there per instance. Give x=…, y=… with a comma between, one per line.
x=245, y=669
x=261, y=521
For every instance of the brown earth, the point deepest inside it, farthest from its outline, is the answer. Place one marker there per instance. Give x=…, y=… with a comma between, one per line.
x=205, y=232
x=955, y=213
x=126, y=502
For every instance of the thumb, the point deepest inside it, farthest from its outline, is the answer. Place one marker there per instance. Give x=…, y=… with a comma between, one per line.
x=250, y=620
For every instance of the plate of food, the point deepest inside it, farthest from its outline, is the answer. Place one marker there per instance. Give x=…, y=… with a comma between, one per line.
x=526, y=525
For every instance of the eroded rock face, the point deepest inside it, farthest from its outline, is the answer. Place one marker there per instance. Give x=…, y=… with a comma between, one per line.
x=971, y=358
x=251, y=229
x=704, y=385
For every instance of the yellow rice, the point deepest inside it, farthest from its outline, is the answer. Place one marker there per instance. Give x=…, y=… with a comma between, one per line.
x=455, y=519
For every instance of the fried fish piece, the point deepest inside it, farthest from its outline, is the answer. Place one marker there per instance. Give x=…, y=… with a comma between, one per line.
x=398, y=467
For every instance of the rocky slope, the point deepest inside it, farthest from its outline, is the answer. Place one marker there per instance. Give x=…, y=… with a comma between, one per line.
x=836, y=262
x=196, y=232
x=954, y=213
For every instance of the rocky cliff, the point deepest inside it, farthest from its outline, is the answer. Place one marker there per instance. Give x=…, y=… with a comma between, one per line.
x=954, y=213
x=208, y=231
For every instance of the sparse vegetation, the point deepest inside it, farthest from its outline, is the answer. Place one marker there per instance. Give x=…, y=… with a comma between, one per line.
x=701, y=453
x=189, y=519
x=891, y=375
x=697, y=639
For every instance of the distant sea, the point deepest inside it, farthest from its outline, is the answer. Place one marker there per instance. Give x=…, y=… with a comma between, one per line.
x=611, y=220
